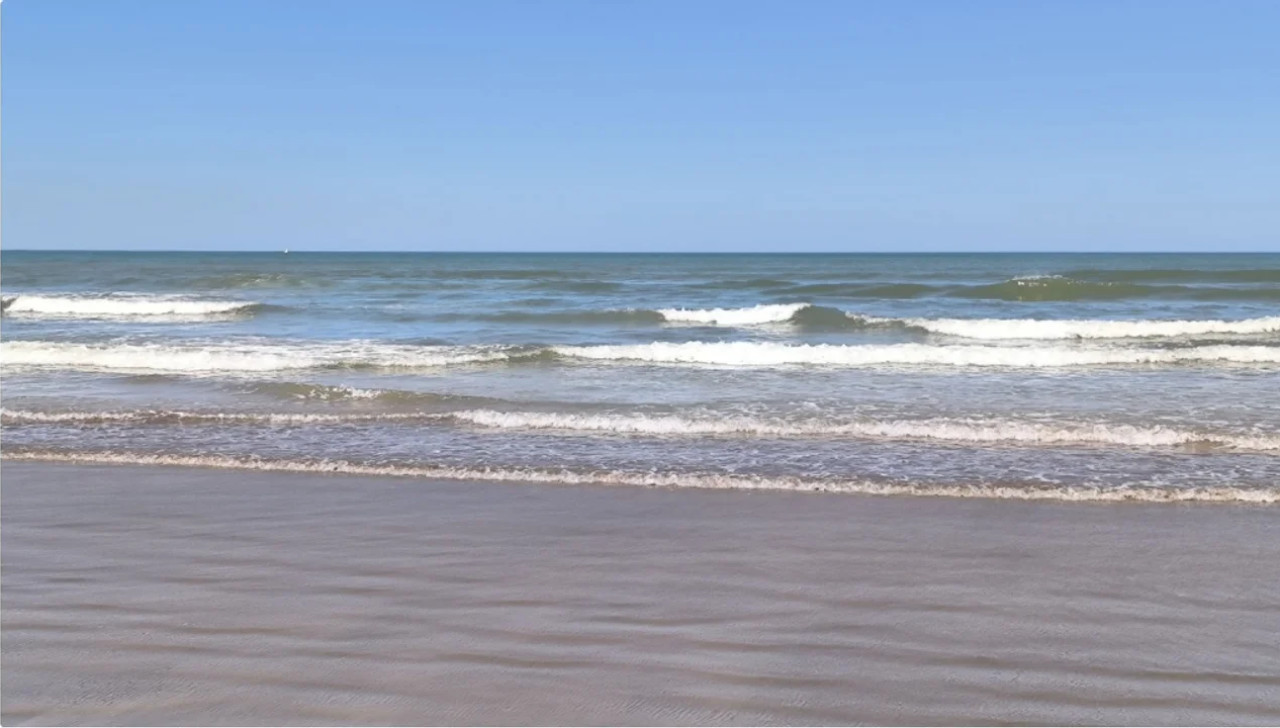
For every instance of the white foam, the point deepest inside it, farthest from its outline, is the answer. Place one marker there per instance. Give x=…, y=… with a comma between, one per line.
x=122, y=306
x=992, y=329
x=238, y=357
x=1001, y=329
x=961, y=430
x=1136, y=493
x=767, y=354
x=752, y=316
x=958, y=430
x=263, y=357
x=193, y=417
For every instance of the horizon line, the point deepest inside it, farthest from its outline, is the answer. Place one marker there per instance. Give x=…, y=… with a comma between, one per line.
x=288, y=251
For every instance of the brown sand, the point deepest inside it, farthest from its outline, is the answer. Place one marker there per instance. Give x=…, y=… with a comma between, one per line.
x=166, y=595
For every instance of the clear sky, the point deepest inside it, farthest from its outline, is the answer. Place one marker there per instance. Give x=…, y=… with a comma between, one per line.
x=694, y=125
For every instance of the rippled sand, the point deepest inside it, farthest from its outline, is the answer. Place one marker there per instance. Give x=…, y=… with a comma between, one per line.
x=167, y=595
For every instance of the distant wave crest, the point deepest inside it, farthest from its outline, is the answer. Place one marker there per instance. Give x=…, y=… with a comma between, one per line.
x=119, y=306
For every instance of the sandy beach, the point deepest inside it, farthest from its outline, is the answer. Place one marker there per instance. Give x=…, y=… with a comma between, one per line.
x=166, y=595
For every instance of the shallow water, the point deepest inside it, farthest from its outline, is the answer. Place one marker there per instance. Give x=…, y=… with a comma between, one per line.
x=1080, y=377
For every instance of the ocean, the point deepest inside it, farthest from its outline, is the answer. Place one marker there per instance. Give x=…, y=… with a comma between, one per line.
x=1082, y=377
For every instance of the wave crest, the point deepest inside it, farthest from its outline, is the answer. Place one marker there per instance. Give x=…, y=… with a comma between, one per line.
x=107, y=307
x=243, y=357
x=768, y=313
x=767, y=354
x=1000, y=329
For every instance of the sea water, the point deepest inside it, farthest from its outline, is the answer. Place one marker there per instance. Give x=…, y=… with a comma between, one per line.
x=1061, y=376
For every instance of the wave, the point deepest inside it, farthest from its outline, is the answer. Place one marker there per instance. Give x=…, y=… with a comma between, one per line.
x=767, y=354
x=1246, y=275
x=737, y=284
x=616, y=316
x=802, y=315
x=301, y=391
x=576, y=286
x=967, y=431
x=259, y=280
x=105, y=307
x=264, y=357
x=314, y=392
x=998, y=329
x=811, y=317
x=1065, y=288
x=957, y=430
x=244, y=357
x=752, y=316
x=764, y=314
x=1053, y=288
x=178, y=417
x=1075, y=286
x=860, y=290
x=1006, y=491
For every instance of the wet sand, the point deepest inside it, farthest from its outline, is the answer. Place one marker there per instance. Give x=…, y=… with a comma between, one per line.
x=167, y=595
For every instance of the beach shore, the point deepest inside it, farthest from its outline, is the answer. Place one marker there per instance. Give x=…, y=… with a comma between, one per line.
x=166, y=595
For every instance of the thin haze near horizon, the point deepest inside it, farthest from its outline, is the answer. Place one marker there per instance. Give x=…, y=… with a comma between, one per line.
x=658, y=126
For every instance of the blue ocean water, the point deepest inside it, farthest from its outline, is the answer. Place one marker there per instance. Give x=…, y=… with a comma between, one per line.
x=1072, y=376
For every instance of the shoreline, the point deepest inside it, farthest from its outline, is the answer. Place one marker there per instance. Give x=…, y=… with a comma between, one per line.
x=179, y=595
x=1219, y=495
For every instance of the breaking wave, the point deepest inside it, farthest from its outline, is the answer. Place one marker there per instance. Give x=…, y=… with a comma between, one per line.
x=812, y=317
x=957, y=430
x=267, y=357
x=178, y=417
x=1139, y=493
x=243, y=357
x=965, y=431
x=997, y=329
x=108, y=307
x=753, y=316
x=766, y=354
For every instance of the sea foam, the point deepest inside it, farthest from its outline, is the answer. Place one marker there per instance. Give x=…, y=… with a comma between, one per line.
x=966, y=431
x=166, y=417
x=1003, y=329
x=265, y=357
x=991, y=329
x=959, y=430
x=239, y=357
x=769, y=354
x=121, y=306
x=751, y=316
x=1032, y=491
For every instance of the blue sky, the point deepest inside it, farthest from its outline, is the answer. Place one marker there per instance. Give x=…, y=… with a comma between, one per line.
x=717, y=126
